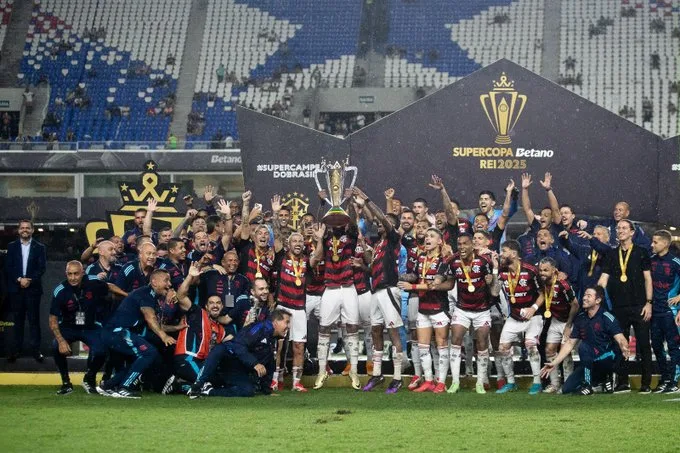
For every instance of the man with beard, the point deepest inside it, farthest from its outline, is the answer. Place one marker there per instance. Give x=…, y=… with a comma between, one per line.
x=205, y=329
x=106, y=269
x=590, y=251
x=433, y=314
x=627, y=276
x=474, y=276
x=230, y=286
x=386, y=299
x=123, y=333
x=451, y=228
x=549, y=218
x=72, y=318
x=487, y=207
x=519, y=281
x=281, y=220
x=175, y=263
x=340, y=300
x=561, y=306
x=546, y=248
x=131, y=235
x=256, y=257
x=122, y=258
x=136, y=274
x=293, y=267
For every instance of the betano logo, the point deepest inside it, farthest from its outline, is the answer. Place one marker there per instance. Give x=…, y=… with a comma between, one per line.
x=506, y=105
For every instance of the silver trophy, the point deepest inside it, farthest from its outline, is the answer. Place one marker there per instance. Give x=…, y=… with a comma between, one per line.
x=335, y=175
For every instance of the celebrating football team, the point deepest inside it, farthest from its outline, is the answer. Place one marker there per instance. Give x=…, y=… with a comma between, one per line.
x=238, y=295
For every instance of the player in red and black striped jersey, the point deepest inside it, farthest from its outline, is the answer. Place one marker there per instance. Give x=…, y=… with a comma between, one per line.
x=474, y=277
x=362, y=283
x=520, y=284
x=255, y=256
x=386, y=299
x=447, y=221
x=293, y=267
x=339, y=300
x=560, y=307
x=429, y=282
x=315, y=284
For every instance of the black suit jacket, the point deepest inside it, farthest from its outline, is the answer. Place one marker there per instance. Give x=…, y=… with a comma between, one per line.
x=35, y=267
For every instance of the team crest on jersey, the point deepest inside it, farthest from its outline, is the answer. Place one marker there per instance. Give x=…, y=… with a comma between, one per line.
x=522, y=282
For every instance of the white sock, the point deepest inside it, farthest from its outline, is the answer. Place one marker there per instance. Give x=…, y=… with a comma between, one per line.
x=455, y=364
x=469, y=354
x=555, y=373
x=377, y=362
x=498, y=361
x=508, y=366
x=275, y=375
x=482, y=367
x=535, y=362
x=397, y=358
x=297, y=374
x=443, y=364
x=415, y=357
x=368, y=341
x=426, y=360
x=434, y=352
x=352, y=345
x=322, y=351
x=567, y=366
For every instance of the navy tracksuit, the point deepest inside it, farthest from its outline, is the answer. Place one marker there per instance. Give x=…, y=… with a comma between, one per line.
x=666, y=283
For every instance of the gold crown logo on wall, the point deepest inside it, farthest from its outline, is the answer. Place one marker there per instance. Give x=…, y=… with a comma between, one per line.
x=136, y=195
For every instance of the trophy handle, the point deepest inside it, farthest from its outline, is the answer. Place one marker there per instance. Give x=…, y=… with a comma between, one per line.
x=354, y=178
x=318, y=185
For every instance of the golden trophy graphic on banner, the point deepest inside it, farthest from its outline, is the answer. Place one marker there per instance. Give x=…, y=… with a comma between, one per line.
x=503, y=110
x=335, y=175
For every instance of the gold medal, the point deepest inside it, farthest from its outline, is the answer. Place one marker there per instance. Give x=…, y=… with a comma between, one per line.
x=513, y=299
x=298, y=282
x=548, y=297
x=336, y=258
x=624, y=262
x=471, y=288
x=547, y=314
x=624, y=278
x=258, y=275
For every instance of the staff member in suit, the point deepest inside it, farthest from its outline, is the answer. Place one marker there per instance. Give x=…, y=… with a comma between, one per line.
x=25, y=267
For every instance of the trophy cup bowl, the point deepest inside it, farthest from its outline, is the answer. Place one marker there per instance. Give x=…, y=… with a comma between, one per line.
x=335, y=175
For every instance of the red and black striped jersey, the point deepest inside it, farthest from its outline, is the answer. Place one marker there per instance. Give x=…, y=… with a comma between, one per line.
x=339, y=251
x=526, y=291
x=431, y=302
x=251, y=261
x=412, y=257
x=315, y=276
x=200, y=336
x=362, y=277
x=408, y=240
x=385, y=263
x=291, y=281
x=477, y=270
x=560, y=305
x=451, y=232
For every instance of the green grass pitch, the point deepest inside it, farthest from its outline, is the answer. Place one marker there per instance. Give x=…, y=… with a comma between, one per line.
x=35, y=419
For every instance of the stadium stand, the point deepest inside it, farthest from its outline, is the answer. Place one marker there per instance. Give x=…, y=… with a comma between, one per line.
x=112, y=66
x=623, y=55
x=5, y=15
x=268, y=49
x=435, y=43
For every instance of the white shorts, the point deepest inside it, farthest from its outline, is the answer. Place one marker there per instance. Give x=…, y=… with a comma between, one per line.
x=339, y=304
x=555, y=331
x=437, y=320
x=413, y=311
x=452, y=295
x=513, y=330
x=312, y=306
x=386, y=308
x=298, y=324
x=365, y=307
x=476, y=319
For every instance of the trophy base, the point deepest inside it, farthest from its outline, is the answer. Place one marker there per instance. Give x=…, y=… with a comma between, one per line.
x=336, y=217
x=503, y=140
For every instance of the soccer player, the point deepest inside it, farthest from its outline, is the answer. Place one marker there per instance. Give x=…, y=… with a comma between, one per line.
x=597, y=331
x=561, y=306
x=339, y=300
x=665, y=270
x=452, y=226
x=475, y=278
x=386, y=299
x=550, y=217
x=520, y=285
x=251, y=352
x=362, y=283
x=255, y=256
x=292, y=275
x=546, y=248
x=433, y=306
x=123, y=333
x=487, y=207
x=627, y=277
x=315, y=285
x=73, y=318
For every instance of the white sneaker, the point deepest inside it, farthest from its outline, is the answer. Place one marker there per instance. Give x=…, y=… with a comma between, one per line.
x=551, y=389
x=356, y=383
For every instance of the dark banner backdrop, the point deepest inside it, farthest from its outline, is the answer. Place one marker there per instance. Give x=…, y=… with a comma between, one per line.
x=281, y=157
x=474, y=143
x=669, y=181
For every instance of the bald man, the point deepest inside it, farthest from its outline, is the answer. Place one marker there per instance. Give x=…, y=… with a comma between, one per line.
x=136, y=273
x=621, y=212
x=73, y=312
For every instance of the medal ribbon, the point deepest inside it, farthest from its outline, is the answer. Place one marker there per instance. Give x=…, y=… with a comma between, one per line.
x=548, y=295
x=593, y=259
x=513, y=282
x=624, y=263
x=466, y=271
x=426, y=267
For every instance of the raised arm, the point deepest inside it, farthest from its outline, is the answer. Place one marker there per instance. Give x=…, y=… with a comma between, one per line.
x=224, y=211
x=505, y=214
x=451, y=216
x=245, y=215
x=151, y=205
x=191, y=213
x=373, y=208
x=389, y=200
x=317, y=256
x=526, y=202
x=183, y=292
x=552, y=199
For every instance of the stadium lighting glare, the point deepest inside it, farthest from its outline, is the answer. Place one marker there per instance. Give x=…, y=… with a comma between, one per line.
x=72, y=230
x=673, y=228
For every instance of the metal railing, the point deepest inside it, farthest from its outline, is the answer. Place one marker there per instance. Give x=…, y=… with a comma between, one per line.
x=112, y=145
